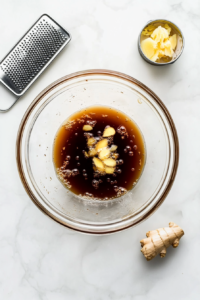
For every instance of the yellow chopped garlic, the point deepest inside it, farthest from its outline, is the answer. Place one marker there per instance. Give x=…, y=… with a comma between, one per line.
x=159, y=44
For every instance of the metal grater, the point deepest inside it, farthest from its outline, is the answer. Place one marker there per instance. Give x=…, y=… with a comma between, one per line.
x=33, y=53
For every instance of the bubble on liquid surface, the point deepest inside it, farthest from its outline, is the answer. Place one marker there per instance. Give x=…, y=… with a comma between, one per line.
x=75, y=172
x=66, y=163
x=121, y=191
x=116, y=188
x=89, y=195
x=121, y=161
x=121, y=130
x=91, y=123
x=88, y=134
x=67, y=173
x=95, y=183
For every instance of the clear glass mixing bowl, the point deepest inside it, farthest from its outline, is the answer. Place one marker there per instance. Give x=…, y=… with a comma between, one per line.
x=35, y=144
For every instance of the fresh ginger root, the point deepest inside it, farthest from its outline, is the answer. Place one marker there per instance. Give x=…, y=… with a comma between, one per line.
x=159, y=240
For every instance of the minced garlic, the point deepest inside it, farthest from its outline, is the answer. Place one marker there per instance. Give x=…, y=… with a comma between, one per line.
x=159, y=44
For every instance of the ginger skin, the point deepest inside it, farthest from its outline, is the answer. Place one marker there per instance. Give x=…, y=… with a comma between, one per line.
x=159, y=240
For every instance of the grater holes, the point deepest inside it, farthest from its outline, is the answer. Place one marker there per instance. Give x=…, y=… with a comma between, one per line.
x=32, y=53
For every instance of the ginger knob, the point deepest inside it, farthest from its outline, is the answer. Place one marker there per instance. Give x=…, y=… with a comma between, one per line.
x=159, y=240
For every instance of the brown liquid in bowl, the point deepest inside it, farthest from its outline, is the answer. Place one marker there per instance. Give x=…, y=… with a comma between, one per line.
x=71, y=142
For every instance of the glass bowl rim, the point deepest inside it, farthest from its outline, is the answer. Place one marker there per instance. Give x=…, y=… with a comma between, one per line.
x=36, y=101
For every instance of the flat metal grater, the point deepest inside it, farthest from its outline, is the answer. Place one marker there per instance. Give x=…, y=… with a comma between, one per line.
x=32, y=54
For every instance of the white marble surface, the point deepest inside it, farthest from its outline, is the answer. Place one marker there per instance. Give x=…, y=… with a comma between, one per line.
x=40, y=259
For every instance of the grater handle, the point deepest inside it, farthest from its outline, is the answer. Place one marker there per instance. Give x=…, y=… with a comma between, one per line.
x=8, y=108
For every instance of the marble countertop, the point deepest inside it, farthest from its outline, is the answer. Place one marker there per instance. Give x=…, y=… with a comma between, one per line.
x=42, y=260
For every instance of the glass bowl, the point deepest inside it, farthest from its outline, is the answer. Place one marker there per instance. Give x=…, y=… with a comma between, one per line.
x=35, y=145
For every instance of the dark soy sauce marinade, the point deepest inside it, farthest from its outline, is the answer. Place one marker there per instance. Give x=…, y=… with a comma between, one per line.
x=71, y=142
